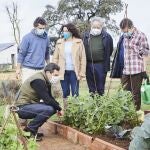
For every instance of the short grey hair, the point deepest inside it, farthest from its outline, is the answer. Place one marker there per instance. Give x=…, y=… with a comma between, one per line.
x=98, y=19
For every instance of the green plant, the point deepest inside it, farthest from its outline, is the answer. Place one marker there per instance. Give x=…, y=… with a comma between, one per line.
x=9, y=138
x=92, y=114
x=141, y=136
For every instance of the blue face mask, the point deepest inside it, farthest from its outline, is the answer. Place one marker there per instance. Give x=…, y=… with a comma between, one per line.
x=40, y=31
x=67, y=35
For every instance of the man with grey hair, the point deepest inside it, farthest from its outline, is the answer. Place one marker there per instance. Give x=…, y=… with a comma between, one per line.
x=99, y=47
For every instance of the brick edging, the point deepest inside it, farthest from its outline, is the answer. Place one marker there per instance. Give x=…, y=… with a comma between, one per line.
x=76, y=136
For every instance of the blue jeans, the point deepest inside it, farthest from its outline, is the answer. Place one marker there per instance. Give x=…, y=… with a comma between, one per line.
x=39, y=112
x=70, y=81
x=98, y=84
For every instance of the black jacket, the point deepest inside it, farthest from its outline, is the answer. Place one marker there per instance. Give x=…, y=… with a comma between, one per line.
x=108, y=47
x=117, y=70
x=43, y=91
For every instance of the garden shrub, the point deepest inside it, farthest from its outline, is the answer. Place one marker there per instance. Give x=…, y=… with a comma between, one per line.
x=92, y=114
x=9, y=137
x=12, y=86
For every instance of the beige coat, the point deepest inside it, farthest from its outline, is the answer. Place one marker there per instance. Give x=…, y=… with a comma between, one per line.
x=78, y=57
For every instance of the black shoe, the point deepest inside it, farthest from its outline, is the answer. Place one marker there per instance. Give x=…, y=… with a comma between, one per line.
x=40, y=134
x=34, y=134
x=26, y=129
x=37, y=137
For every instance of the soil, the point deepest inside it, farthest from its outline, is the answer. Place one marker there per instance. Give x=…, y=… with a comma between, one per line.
x=123, y=143
x=53, y=141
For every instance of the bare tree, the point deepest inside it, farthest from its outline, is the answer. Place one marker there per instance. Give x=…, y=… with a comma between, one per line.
x=13, y=17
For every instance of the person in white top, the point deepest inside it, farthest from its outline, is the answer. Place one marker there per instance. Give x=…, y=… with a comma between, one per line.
x=70, y=56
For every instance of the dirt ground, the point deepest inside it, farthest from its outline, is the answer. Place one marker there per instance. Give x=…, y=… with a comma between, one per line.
x=53, y=141
x=124, y=143
x=8, y=76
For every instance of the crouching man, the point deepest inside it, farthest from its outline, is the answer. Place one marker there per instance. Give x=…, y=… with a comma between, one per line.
x=33, y=90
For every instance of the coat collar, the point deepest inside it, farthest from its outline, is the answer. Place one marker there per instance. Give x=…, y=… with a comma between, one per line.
x=45, y=77
x=61, y=43
x=75, y=40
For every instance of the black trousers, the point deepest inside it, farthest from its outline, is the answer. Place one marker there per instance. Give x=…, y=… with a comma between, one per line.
x=96, y=71
x=133, y=83
x=39, y=112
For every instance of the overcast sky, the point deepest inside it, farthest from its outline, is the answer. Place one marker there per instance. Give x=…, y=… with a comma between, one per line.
x=138, y=11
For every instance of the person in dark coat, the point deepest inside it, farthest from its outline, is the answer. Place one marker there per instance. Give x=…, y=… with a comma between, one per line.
x=118, y=61
x=98, y=47
x=35, y=100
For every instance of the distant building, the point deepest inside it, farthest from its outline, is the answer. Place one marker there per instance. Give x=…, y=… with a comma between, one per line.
x=8, y=55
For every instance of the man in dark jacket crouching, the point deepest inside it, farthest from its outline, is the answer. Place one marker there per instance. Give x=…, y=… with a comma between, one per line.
x=36, y=101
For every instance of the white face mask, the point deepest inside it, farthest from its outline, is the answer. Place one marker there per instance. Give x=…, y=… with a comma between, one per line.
x=95, y=31
x=54, y=79
x=40, y=31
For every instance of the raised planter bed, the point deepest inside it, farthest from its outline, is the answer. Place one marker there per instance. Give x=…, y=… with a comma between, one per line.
x=99, y=144
x=77, y=137
x=146, y=112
